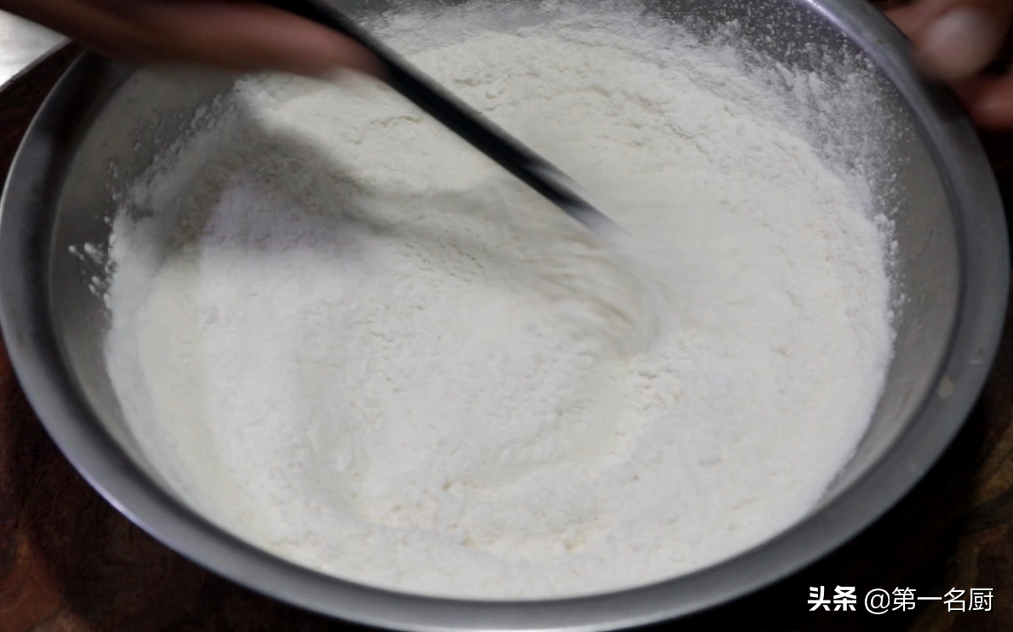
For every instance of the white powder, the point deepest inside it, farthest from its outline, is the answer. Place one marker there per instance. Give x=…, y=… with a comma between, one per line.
x=351, y=340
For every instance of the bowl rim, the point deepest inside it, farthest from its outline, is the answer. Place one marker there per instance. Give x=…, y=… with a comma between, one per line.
x=25, y=318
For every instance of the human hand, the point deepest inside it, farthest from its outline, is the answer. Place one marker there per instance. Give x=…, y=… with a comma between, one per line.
x=955, y=40
x=231, y=34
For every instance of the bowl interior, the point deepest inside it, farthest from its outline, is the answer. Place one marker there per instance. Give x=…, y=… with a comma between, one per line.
x=135, y=114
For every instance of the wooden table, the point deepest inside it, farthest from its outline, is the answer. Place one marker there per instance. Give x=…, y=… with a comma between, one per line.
x=71, y=563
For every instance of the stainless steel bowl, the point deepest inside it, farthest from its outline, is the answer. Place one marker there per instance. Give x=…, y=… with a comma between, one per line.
x=952, y=271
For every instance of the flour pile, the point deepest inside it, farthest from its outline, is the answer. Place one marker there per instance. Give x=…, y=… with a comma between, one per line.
x=353, y=341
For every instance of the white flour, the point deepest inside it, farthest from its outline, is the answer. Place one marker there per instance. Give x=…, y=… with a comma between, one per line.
x=352, y=341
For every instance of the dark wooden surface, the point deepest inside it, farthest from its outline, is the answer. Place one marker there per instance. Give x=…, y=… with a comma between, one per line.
x=71, y=563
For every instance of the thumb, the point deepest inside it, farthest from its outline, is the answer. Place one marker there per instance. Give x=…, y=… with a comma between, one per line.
x=955, y=39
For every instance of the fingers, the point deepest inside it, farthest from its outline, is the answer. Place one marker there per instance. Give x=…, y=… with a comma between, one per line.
x=227, y=34
x=248, y=37
x=990, y=102
x=955, y=39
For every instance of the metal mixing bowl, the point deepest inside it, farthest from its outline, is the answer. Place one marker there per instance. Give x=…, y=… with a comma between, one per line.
x=951, y=271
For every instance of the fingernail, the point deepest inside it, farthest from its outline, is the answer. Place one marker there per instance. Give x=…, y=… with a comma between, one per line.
x=374, y=67
x=338, y=73
x=959, y=43
x=364, y=63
